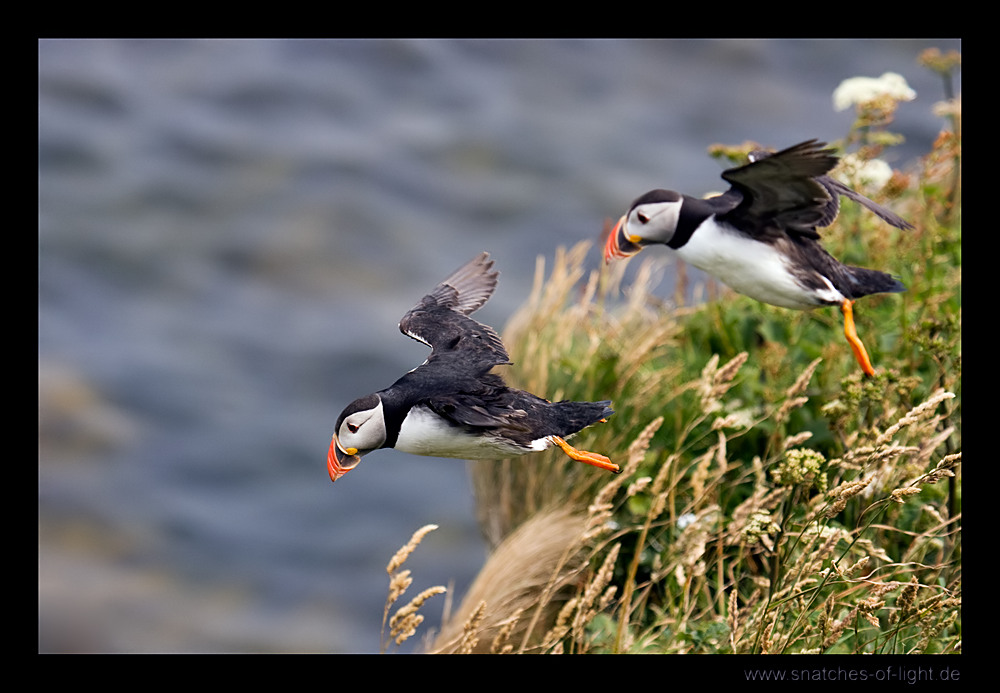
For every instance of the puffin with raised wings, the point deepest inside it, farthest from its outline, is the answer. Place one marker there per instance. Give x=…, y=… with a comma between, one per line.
x=760, y=237
x=452, y=405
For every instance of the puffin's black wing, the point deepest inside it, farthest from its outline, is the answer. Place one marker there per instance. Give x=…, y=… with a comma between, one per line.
x=781, y=191
x=836, y=189
x=491, y=404
x=518, y=415
x=796, y=163
x=440, y=320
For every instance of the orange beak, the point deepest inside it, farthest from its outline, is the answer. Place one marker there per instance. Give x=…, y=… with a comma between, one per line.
x=340, y=461
x=617, y=245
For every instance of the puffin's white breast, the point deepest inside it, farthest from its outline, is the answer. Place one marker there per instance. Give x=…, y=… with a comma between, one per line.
x=425, y=433
x=753, y=268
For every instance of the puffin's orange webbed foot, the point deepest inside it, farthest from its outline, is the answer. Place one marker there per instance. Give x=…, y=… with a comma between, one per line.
x=847, y=308
x=591, y=458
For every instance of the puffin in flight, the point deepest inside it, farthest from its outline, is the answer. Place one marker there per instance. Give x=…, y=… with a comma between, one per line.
x=760, y=237
x=452, y=405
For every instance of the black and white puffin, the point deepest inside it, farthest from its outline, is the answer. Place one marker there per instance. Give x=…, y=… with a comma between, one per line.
x=452, y=405
x=760, y=237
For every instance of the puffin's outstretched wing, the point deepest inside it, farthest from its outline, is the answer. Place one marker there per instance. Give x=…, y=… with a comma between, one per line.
x=781, y=190
x=440, y=320
x=836, y=188
x=791, y=186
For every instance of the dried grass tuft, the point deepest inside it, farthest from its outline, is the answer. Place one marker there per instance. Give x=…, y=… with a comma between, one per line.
x=403, y=624
x=523, y=585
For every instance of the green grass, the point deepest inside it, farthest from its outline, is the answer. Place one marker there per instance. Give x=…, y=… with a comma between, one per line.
x=773, y=498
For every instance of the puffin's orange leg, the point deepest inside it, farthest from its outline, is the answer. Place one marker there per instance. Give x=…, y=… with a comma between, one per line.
x=591, y=458
x=847, y=308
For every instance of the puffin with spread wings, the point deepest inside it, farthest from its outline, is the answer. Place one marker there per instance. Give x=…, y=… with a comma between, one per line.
x=452, y=405
x=760, y=237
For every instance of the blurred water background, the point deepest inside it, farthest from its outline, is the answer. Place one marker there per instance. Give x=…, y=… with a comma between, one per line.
x=229, y=232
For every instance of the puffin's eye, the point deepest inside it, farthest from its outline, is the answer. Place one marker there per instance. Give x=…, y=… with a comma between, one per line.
x=352, y=428
x=641, y=218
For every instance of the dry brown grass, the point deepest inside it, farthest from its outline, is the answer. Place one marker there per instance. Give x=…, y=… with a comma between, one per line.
x=405, y=621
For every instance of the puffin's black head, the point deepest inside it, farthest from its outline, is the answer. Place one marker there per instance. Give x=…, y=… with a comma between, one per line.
x=652, y=218
x=360, y=429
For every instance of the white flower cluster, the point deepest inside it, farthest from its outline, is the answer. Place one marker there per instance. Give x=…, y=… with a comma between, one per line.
x=872, y=174
x=863, y=89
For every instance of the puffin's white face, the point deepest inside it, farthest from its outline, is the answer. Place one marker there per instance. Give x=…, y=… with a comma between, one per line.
x=653, y=222
x=360, y=429
x=653, y=218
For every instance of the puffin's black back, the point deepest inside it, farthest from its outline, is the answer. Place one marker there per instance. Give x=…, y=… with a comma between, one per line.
x=485, y=403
